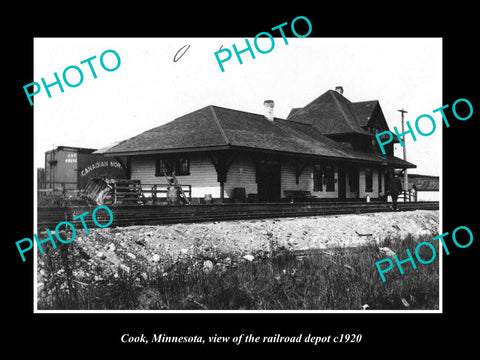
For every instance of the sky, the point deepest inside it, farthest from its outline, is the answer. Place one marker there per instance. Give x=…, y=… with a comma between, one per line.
x=149, y=89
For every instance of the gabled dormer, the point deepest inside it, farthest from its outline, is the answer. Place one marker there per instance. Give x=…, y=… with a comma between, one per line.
x=353, y=125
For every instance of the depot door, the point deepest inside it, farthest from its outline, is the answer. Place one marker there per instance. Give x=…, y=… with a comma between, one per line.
x=268, y=180
x=342, y=190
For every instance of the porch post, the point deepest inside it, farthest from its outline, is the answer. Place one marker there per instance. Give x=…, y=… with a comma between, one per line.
x=222, y=162
x=300, y=166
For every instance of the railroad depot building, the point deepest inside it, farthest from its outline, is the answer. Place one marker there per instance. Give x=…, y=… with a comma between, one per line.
x=325, y=150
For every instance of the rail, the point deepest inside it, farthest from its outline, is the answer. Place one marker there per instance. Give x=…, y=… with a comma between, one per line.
x=48, y=217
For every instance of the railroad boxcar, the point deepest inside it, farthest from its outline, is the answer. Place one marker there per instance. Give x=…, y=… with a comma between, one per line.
x=70, y=168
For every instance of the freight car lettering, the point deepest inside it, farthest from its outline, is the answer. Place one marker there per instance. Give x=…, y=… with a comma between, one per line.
x=71, y=158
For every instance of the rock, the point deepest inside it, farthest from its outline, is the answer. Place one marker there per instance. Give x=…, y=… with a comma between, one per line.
x=111, y=247
x=248, y=257
x=404, y=302
x=100, y=255
x=156, y=258
x=83, y=254
x=125, y=268
x=111, y=257
x=130, y=255
x=386, y=251
x=207, y=266
x=150, y=299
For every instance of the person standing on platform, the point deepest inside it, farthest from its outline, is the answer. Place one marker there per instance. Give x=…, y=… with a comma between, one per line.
x=395, y=189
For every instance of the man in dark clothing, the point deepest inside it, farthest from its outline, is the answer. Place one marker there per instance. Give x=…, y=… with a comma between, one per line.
x=395, y=189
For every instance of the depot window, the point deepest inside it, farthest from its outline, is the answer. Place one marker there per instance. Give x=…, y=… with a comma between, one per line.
x=179, y=166
x=368, y=180
x=323, y=176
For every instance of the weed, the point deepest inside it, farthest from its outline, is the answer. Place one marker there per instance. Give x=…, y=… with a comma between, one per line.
x=340, y=279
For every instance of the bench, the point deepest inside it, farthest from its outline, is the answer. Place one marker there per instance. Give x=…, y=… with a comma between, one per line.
x=295, y=195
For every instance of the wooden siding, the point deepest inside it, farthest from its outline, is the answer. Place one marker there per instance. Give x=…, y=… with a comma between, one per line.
x=241, y=175
x=288, y=179
x=203, y=178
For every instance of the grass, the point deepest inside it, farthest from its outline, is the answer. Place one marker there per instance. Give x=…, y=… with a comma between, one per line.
x=340, y=279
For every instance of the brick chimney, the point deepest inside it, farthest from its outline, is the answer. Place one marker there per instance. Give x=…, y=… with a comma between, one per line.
x=339, y=89
x=268, y=109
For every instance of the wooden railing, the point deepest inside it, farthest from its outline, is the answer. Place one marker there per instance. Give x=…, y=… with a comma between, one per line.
x=59, y=188
x=151, y=192
x=407, y=196
x=156, y=192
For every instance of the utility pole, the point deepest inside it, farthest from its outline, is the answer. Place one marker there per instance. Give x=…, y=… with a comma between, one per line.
x=405, y=175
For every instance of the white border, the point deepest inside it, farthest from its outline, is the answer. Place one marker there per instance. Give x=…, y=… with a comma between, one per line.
x=439, y=311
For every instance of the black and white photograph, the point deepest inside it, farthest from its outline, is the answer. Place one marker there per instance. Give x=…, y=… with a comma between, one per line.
x=228, y=183
x=277, y=184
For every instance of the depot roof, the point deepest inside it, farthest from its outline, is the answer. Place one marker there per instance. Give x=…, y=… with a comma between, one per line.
x=216, y=128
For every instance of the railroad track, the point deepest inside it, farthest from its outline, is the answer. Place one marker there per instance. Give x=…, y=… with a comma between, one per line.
x=49, y=217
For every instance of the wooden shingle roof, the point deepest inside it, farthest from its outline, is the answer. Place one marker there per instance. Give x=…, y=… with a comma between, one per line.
x=215, y=128
x=332, y=113
x=363, y=111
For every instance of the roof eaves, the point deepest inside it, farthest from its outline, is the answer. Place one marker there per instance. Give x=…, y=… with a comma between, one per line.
x=168, y=151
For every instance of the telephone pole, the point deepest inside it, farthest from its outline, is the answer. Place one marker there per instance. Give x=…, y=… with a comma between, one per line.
x=405, y=175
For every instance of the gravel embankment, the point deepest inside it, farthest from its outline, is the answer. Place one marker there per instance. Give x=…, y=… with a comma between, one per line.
x=155, y=245
x=139, y=254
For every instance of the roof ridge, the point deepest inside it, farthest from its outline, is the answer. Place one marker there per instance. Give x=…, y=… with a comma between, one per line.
x=355, y=127
x=337, y=93
x=243, y=111
x=365, y=101
x=215, y=118
x=341, y=109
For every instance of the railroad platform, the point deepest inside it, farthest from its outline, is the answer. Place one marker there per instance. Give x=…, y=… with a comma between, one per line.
x=128, y=215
